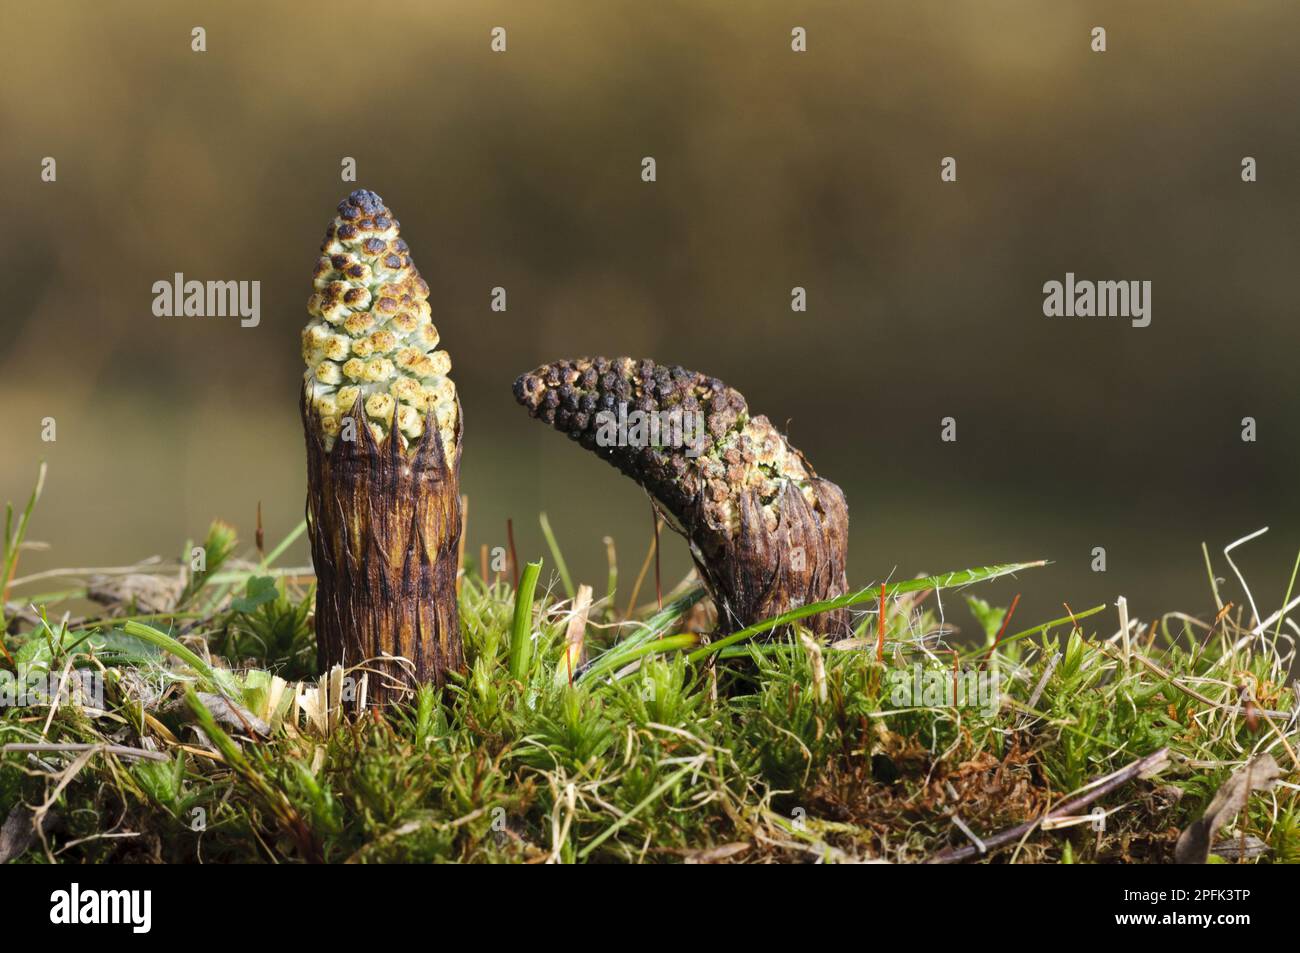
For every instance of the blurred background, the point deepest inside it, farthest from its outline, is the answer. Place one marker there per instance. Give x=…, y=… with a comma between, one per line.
x=775, y=169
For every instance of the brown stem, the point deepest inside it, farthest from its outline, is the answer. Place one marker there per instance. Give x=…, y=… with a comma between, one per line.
x=760, y=572
x=385, y=528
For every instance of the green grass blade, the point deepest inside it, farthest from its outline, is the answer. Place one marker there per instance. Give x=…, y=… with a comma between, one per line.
x=14, y=539
x=951, y=580
x=1286, y=600
x=284, y=544
x=220, y=740
x=521, y=631
x=641, y=806
x=647, y=632
x=146, y=633
x=560, y=566
x=612, y=660
x=1036, y=629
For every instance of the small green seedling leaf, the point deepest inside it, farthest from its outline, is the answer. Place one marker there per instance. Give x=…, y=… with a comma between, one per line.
x=259, y=592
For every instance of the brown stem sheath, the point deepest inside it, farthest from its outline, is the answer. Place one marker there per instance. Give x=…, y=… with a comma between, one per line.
x=385, y=528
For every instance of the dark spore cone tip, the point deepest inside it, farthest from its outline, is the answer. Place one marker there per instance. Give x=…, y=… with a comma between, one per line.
x=362, y=202
x=766, y=532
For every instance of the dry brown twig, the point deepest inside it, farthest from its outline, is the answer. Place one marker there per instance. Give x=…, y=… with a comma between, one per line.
x=1141, y=768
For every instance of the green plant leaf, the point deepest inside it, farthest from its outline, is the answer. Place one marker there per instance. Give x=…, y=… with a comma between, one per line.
x=259, y=591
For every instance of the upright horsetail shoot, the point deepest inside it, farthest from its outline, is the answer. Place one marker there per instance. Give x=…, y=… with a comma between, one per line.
x=383, y=427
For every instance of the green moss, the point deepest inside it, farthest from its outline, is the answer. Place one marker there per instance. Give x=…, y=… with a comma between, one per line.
x=657, y=749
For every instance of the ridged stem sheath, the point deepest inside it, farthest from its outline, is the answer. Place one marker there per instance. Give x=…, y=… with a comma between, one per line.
x=766, y=533
x=383, y=428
